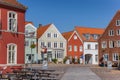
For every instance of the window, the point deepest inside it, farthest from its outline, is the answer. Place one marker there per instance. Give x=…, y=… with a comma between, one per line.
x=55, y=44
x=88, y=46
x=115, y=56
x=61, y=45
x=87, y=36
x=111, y=44
x=75, y=37
x=49, y=35
x=118, y=32
x=96, y=46
x=118, y=43
x=81, y=48
x=12, y=21
x=104, y=44
x=95, y=36
x=42, y=44
x=55, y=35
x=49, y=44
x=106, y=57
x=70, y=48
x=11, y=53
x=117, y=22
x=96, y=58
x=75, y=48
x=111, y=33
x=27, y=43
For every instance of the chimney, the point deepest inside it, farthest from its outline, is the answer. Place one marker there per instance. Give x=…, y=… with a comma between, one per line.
x=40, y=25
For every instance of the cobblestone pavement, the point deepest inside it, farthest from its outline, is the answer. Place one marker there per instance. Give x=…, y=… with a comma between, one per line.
x=106, y=74
x=85, y=72
x=79, y=73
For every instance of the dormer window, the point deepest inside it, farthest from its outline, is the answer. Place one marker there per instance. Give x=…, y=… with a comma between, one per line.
x=95, y=36
x=117, y=22
x=87, y=36
x=12, y=21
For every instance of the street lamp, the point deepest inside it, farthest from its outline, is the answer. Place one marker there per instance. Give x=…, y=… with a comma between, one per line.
x=31, y=35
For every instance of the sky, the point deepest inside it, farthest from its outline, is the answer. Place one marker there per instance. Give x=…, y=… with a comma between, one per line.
x=66, y=14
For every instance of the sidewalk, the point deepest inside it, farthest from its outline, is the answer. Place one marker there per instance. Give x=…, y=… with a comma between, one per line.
x=79, y=73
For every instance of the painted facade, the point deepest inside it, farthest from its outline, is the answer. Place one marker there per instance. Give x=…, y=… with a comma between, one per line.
x=12, y=22
x=30, y=53
x=109, y=42
x=49, y=37
x=74, y=45
x=89, y=36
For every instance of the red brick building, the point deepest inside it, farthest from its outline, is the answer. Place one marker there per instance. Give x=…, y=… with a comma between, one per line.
x=74, y=44
x=109, y=42
x=12, y=23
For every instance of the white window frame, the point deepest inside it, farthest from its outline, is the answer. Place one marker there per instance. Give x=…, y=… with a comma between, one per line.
x=115, y=56
x=12, y=21
x=111, y=44
x=118, y=31
x=75, y=48
x=55, y=45
x=106, y=57
x=117, y=22
x=70, y=48
x=49, y=45
x=55, y=35
x=104, y=44
x=111, y=32
x=10, y=51
x=61, y=44
x=75, y=37
x=49, y=35
x=96, y=46
x=81, y=48
x=118, y=43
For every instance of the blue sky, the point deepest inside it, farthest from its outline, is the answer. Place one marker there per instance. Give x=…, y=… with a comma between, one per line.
x=66, y=14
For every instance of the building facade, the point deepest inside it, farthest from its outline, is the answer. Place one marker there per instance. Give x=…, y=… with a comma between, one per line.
x=89, y=37
x=30, y=39
x=109, y=42
x=50, y=38
x=74, y=45
x=12, y=22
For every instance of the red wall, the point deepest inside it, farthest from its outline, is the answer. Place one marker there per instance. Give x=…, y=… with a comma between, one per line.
x=8, y=37
x=73, y=42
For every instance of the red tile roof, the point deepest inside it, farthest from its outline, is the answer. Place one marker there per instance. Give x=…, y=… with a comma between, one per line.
x=85, y=30
x=28, y=22
x=42, y=29
x=13, y=3
x=67, y=35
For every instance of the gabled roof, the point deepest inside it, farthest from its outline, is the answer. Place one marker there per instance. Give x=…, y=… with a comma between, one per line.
x=67, y=35
x=85, y=30
x=42, y=29
x=13, y=3
x=111, y=24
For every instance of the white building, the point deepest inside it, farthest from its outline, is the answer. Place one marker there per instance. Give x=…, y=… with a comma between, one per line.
x=89, y=37
x=49, y=37
x=30, y=38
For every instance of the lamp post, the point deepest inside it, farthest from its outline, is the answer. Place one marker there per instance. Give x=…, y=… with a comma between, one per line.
x=31, y=46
